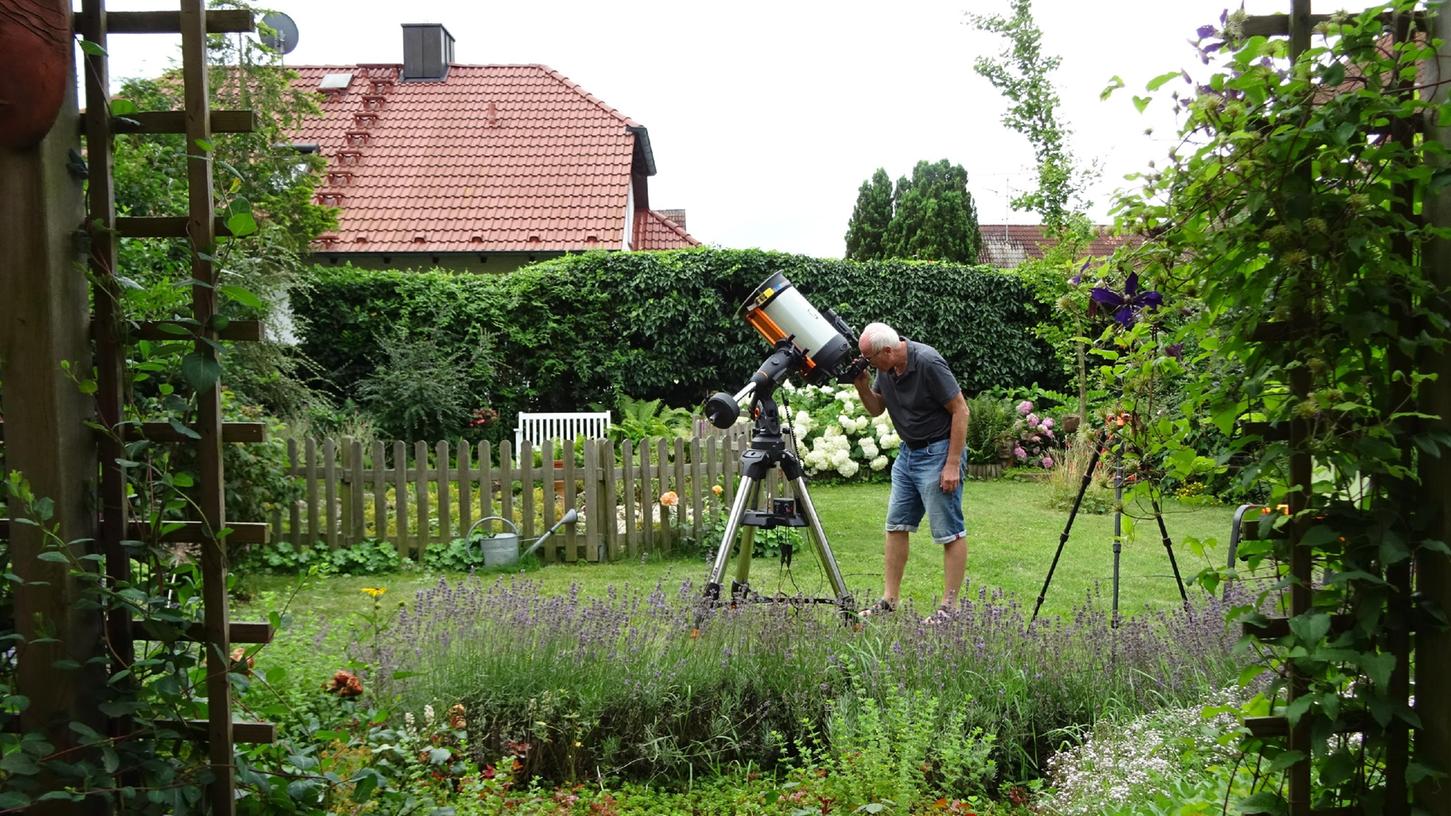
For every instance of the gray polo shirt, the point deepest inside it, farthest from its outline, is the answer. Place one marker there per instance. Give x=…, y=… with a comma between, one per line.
x=916, y=400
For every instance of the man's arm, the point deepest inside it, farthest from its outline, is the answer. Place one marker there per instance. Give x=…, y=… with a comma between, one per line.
x=871, y=400
x=957, y=437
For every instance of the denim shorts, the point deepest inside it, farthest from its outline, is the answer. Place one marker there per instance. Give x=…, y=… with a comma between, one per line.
x=915, y=490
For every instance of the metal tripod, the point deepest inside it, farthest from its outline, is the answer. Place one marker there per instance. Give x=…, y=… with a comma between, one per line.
x=1100, y=442
x=767, y=451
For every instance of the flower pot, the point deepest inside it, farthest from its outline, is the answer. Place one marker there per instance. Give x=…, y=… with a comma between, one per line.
x=1070, y=423
x=558, y=471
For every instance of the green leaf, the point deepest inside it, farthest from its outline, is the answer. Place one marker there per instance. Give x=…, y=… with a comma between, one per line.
x=121, y=107
x=1285, y=760
x=1142, y=102
x=1158, y=82
x=1311, y=627
x=438, y=756
x=54, y=557
x=19, y=763
x=1114, y=83
x=1262, y=802
x=13, y=800
x=241, y=224
x=1378, y=667
x=182, y=428
x=200, y=370
x=205, y=145
x=93, y=49
x=241, y=294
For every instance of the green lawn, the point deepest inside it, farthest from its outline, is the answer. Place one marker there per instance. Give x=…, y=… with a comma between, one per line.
x=1012, y=535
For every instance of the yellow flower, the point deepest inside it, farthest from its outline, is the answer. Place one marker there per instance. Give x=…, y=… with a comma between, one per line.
x=717, y=489
x=669, y=499
x=374, y=592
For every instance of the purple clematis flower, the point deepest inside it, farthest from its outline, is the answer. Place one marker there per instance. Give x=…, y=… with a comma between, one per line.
x=1206, y=31
x=1126, y=306
x=1175, y=350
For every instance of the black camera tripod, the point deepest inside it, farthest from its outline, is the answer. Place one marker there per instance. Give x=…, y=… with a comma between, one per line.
x=1100, y=442
x=767, y=451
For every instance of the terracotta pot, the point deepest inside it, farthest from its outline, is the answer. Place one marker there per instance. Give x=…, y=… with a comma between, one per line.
x=35, y=37
x=558, y=470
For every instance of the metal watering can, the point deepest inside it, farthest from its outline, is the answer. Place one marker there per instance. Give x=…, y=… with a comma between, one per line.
x=501, y=548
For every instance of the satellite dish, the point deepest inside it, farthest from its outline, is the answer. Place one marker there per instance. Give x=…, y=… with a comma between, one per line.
x=283, y=34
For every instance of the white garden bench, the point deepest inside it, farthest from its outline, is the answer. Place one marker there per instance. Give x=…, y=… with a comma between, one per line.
x=538, y=427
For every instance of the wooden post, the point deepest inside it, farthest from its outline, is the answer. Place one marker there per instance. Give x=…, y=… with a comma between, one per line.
x=1433, y=645
x=294, y=514
x=420, y=494
x=647, y=501
x=43, y=323
x=506, y=480
x=486, y=480
x=380, y=493
x=627, y=494
x=345, y=512
x=465, y=487
x=201, y=233
x=106, y=326
x=400, y=496
x=445, y=521
x=330, y=491
x=613, y=538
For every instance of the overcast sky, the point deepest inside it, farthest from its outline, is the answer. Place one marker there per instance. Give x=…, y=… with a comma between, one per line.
x=765, y=117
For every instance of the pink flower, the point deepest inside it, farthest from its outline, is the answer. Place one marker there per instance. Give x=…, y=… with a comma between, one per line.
x=1035, y=439
x=1032, y=420
x=1019, y=452
x=1047, y=462
x=1047, y=433
x=1025, y=407
x=1047, y=423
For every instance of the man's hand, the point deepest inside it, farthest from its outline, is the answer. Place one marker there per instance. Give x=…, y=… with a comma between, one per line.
x=853, y=371
x=949, y=480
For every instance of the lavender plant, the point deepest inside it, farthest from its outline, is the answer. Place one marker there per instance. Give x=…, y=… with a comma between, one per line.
x=620, y=684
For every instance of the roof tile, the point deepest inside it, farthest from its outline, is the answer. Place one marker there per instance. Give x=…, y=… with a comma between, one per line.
x=482, y=161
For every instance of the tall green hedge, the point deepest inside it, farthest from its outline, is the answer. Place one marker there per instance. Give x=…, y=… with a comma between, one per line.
x=585, y=328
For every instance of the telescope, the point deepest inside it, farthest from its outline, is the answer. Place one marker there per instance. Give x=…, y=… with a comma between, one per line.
x=821, y=346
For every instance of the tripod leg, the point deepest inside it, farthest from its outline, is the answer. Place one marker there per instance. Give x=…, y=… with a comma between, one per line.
x=1118, y=525
x=1169, y=548
x=745, y=492
x=1098, y=443
x=748, y=548
x=823, y=549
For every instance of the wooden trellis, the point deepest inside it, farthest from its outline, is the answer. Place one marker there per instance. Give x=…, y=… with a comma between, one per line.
x=193, y=22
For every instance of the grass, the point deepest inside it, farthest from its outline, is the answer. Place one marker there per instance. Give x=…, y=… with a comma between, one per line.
x=1012, y=536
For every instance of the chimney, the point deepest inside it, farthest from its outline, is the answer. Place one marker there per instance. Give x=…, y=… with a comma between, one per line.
x=427, y=51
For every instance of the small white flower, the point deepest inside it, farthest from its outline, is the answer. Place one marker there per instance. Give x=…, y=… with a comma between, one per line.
x=879, y=463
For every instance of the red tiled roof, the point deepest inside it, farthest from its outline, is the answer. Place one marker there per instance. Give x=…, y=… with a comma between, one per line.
x=655, y=231
x=494, y=158
x=1004, y=246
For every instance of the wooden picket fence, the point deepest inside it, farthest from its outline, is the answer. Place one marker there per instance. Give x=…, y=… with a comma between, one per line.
x=418, y=495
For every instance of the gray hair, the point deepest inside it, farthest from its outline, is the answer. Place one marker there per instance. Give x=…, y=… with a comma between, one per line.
x=879, y=336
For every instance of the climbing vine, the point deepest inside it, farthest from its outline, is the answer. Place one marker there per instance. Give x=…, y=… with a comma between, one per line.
x=1285, y=229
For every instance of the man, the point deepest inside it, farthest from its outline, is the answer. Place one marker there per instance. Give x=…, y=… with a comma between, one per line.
x=915, y=386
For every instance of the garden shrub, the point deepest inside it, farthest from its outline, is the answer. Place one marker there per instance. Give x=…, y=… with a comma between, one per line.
x=990, y=421
x=591, y=328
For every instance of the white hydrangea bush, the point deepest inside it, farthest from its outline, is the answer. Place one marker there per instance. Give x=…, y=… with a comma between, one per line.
x=835, y=435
